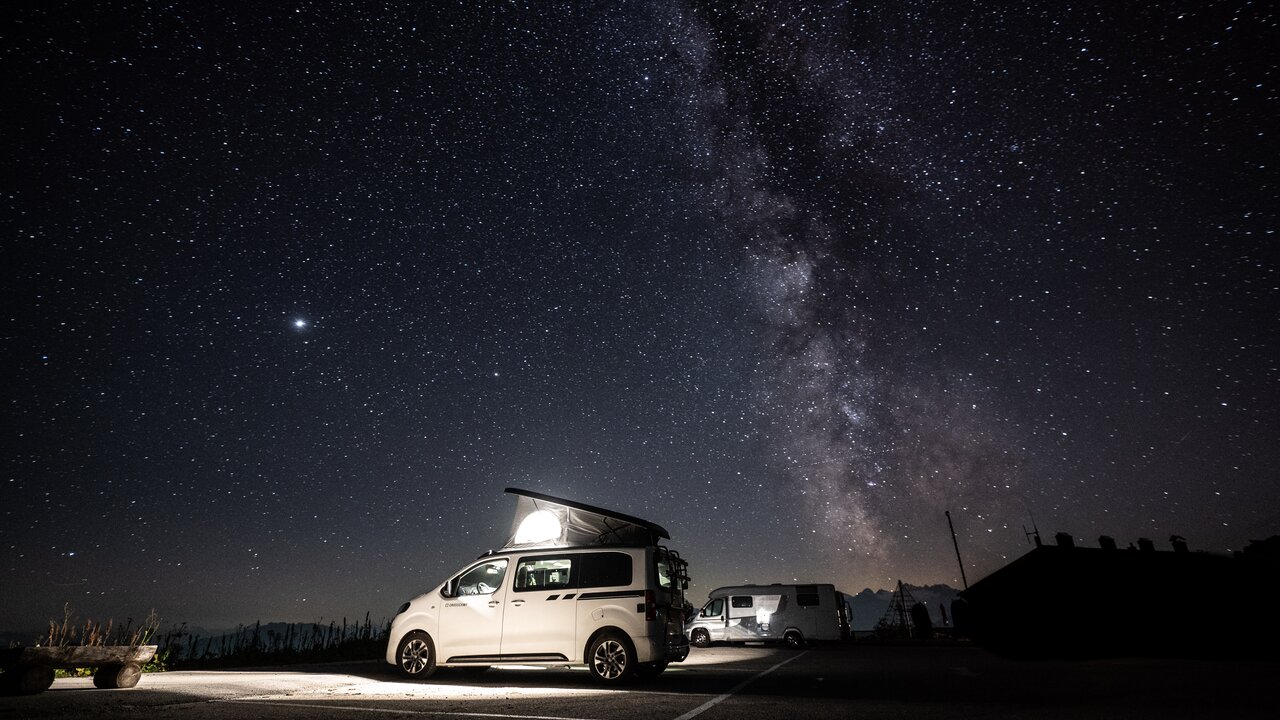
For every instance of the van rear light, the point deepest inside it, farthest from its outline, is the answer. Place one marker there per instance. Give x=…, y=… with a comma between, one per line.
x=650, y=606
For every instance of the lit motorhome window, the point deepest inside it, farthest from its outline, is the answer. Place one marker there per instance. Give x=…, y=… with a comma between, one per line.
x=741, y=601
x=605, y=569
x=483, y=579
x=544, y=573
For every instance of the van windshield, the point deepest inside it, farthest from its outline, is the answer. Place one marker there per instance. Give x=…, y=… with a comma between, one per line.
x=483, y=579
x=715, y=608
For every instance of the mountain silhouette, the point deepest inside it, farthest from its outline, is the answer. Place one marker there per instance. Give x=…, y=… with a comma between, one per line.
x=870, y=605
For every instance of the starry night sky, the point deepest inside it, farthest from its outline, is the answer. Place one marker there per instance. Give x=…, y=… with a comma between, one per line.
x=293, y=292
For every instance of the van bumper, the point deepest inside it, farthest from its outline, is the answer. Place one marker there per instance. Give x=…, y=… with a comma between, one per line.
x=678, y=651
x=662, y=648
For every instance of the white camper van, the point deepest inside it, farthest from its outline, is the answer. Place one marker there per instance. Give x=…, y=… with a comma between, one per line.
x=794, y=614
x=574, y=584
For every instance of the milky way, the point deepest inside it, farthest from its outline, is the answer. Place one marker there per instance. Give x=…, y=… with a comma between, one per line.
x=875, y=444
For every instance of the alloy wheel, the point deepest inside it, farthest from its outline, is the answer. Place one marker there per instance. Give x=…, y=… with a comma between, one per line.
x=415, y=656
x=610, y=660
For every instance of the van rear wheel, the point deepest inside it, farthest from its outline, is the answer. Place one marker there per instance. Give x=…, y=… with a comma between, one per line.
x=701, y=638
x=416, y=656
x=793, y=639
x=611, y=659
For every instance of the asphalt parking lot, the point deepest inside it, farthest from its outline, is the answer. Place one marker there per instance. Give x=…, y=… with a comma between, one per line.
x=865, y=682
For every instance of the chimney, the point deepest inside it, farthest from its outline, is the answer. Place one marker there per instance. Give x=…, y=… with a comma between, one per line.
x=1065, y=540
x=1145, y=545
x=1179, y=543
x=1106, y=542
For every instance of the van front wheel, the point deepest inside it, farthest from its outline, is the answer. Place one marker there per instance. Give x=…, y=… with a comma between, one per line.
x=416, y=656
x=611, y=659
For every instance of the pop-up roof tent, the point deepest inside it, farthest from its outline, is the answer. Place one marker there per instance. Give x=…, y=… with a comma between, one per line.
x=546, y=521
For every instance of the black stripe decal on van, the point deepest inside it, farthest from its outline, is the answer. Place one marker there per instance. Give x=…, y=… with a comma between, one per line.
x=569, y=596
x=552, y=597
x=604, y=595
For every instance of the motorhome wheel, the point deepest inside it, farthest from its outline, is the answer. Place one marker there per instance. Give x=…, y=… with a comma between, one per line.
x=701, y=638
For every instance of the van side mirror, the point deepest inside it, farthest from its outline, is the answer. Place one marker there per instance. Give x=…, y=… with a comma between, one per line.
x=450, y=588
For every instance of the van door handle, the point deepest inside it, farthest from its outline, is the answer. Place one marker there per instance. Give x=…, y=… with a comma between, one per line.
x=493, y=603
x=517, y=602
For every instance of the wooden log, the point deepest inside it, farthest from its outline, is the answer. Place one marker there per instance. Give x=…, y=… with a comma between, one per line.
x=86, y=656
x=30, y=670
x=117, y=676
x=28, y=680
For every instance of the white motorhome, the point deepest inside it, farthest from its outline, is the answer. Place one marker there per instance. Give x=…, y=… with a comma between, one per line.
x=574, y=585
x=793, y=614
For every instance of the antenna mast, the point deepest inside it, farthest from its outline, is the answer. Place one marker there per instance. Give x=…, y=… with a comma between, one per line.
x=1034, y=532
x=957, y=546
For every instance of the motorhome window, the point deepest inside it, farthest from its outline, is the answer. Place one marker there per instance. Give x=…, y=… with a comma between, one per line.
x=544, y=573
x=741, y=601
x=606, y=569
x=715, y=608
x=807, y=596
x=483, y=579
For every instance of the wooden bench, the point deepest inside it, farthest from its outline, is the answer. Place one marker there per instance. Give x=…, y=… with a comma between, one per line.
x=29, y=670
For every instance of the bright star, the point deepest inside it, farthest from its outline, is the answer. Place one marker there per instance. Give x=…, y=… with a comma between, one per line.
x=299, y=323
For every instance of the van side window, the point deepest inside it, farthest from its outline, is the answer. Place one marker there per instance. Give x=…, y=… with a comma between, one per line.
x=605, y=569
x=715, y=608
x=741, y=601
x=544, y=573
x=483, y=579
x=807, y=596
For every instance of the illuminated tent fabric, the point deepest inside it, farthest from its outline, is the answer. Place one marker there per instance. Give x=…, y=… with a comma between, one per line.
x=546, y=521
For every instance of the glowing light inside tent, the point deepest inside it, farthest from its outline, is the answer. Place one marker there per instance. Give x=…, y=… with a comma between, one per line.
x=539, y=526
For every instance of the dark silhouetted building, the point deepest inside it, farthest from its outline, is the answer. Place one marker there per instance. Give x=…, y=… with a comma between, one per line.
x=1068, y=601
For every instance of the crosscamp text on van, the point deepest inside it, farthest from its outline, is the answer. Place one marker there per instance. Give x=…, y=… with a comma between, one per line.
x=573, y=585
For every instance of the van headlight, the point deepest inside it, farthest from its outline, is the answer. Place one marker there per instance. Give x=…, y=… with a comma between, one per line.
x=402, y=609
